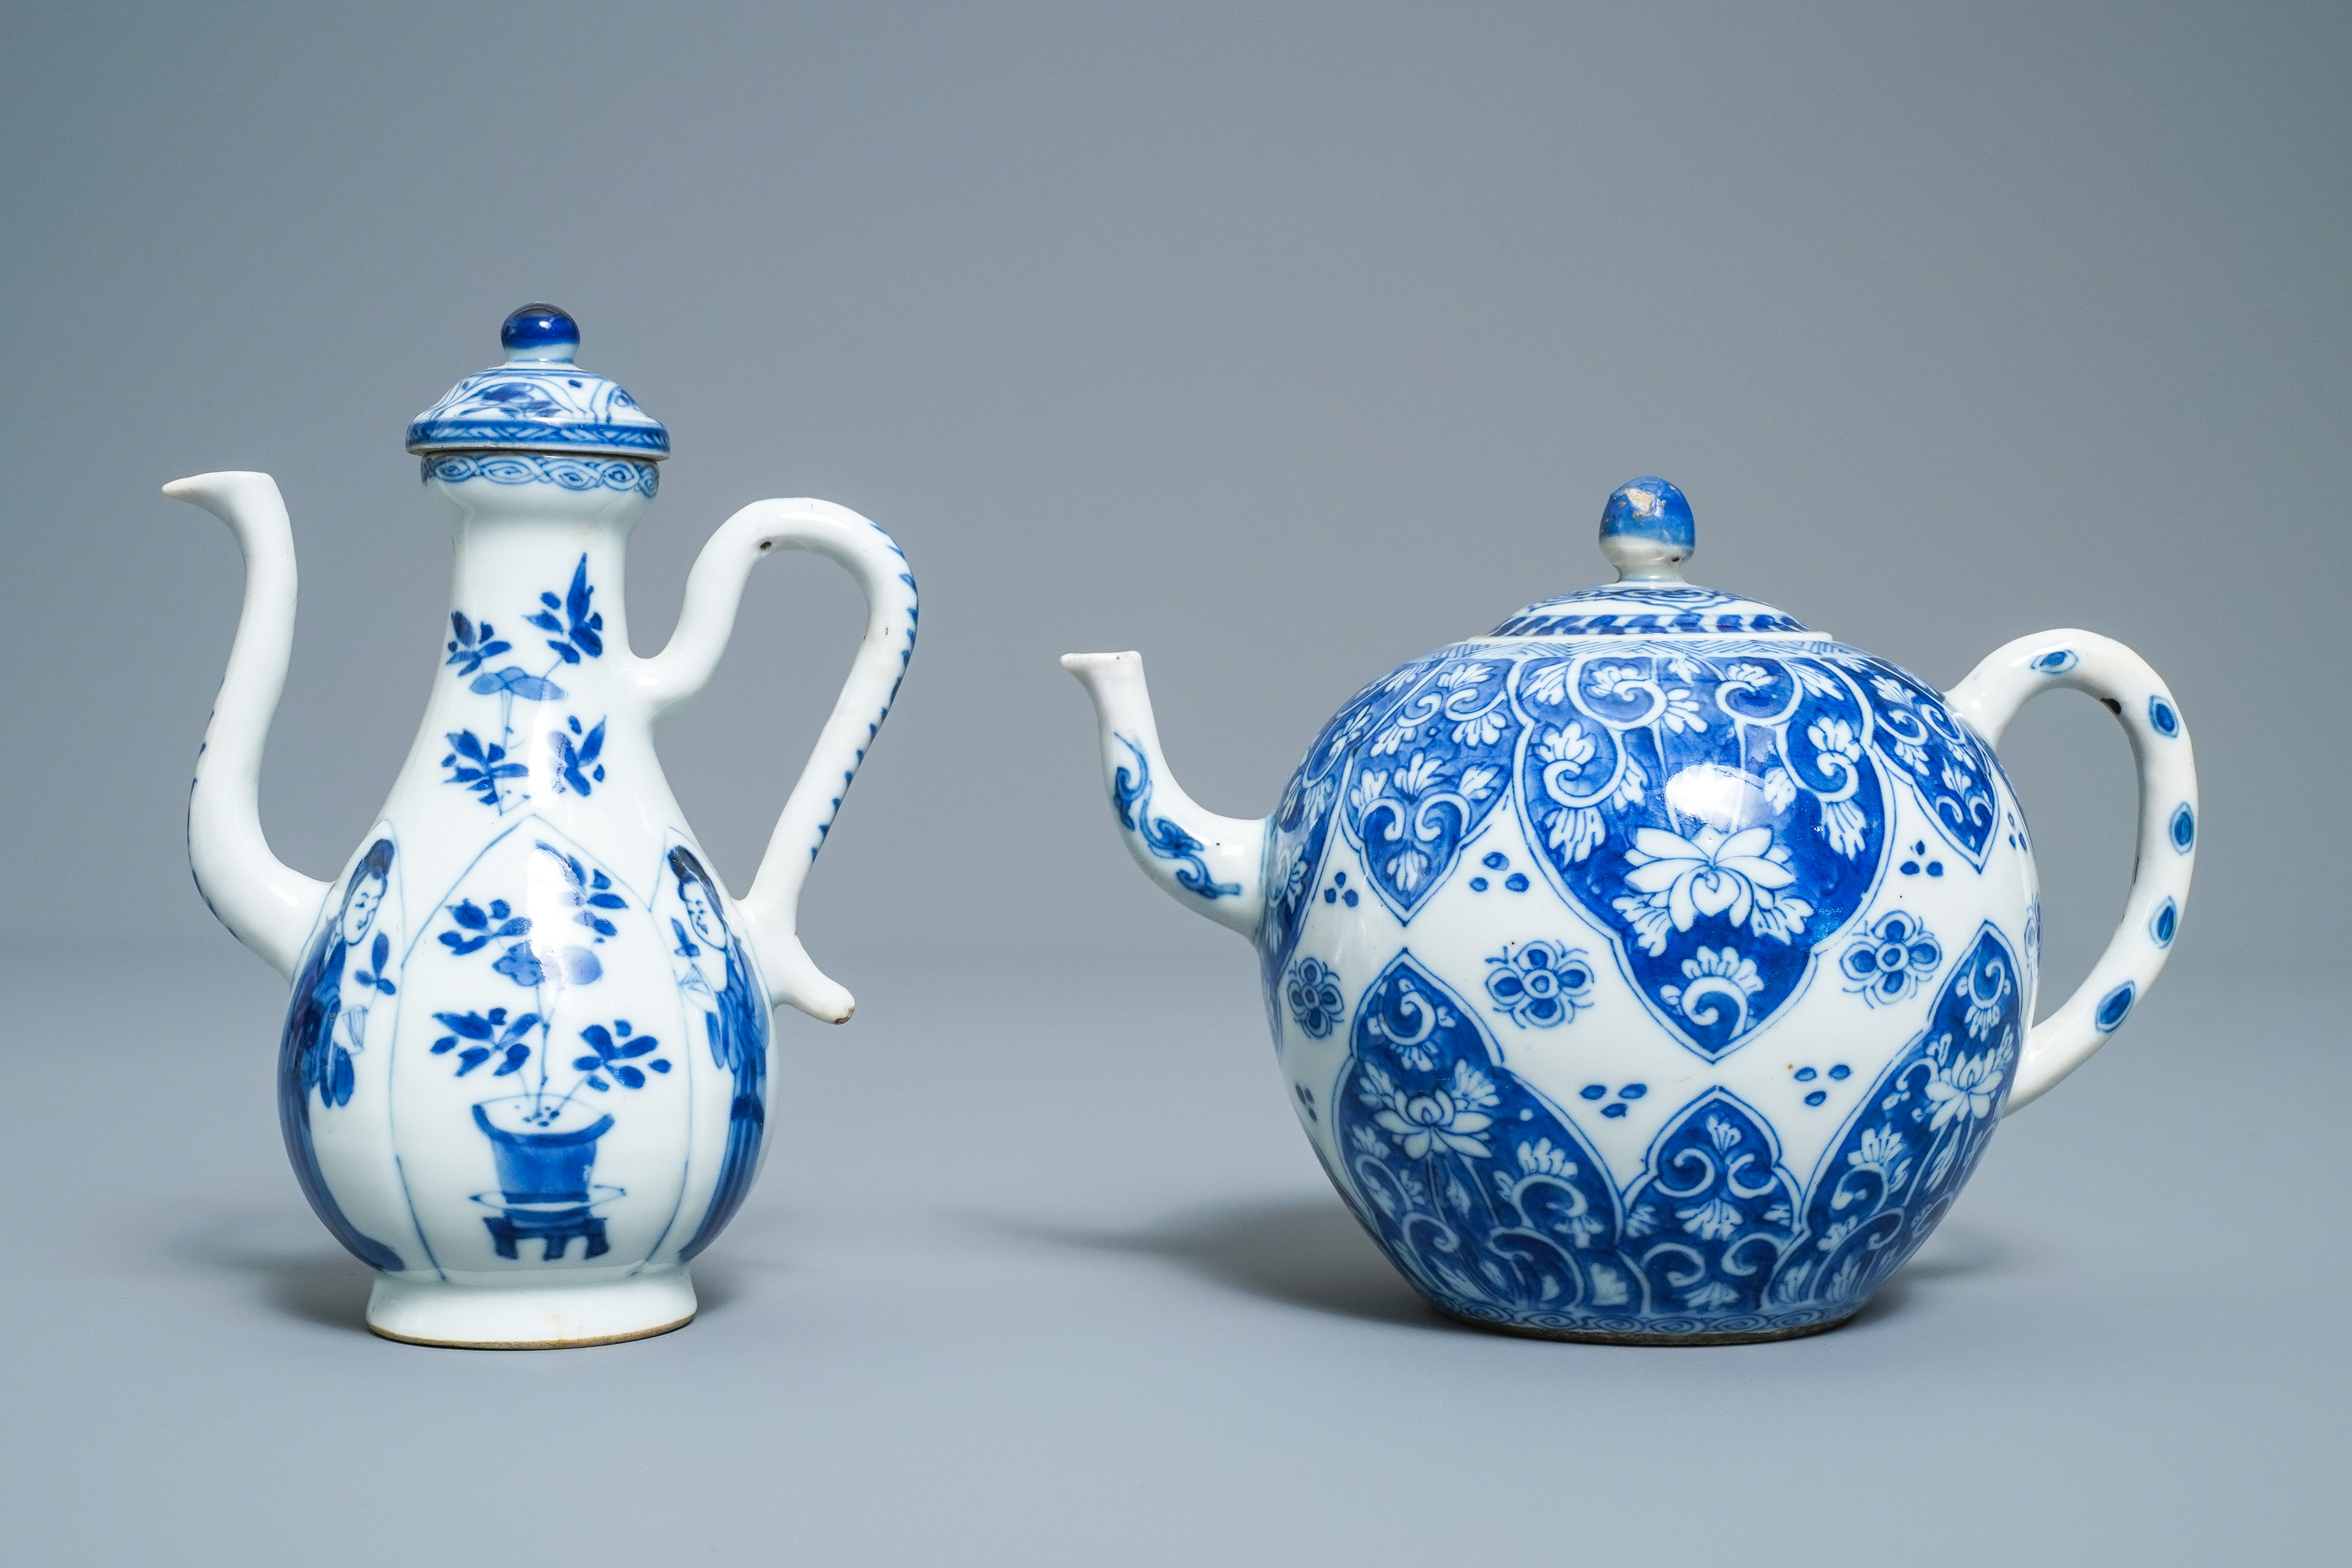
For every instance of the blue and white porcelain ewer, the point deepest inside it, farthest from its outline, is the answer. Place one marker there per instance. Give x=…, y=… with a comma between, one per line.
x=525, y=1072
x=1652, y=969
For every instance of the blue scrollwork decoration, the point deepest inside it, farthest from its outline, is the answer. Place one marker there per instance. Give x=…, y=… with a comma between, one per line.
x=1722, y=818
x=1487, y=1198
x=1897, y=1166
x=1132, y=794
x=1714, y=1214
x=578, y=474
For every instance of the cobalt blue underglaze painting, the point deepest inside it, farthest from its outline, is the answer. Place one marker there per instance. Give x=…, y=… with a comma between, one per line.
x=716, y=977
x=570, y=629
x=525, y=1071
x=347, y=979
x=553, y=1068
x=1655, y=968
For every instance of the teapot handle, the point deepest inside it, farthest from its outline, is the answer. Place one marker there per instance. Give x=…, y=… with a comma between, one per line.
x=713, y=590
x=2166, y=852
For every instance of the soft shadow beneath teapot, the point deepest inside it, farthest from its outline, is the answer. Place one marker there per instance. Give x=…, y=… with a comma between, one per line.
x=1309, y=1252
x=321, y=1284
x=1301, y=1252
x=1954, y=1252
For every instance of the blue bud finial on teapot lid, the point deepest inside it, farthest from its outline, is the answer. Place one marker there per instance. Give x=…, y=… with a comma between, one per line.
x=1646, y=530
x=1647, y=533
x=540, y=401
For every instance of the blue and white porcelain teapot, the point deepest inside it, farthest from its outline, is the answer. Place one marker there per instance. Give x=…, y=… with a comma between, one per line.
x=524, y=1074
x=1653, y=969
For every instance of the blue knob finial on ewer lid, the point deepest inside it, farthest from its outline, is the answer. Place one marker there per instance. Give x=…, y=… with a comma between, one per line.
x=1646, y=530
x=540, y=332
x=539, y=400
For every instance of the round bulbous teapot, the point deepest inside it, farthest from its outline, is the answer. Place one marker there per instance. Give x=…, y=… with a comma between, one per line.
x=524, y=1072
x=1653, y=969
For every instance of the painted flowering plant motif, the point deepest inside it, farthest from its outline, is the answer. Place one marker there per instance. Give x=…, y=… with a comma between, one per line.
x=1714, y=1213
x=1721, y=817
x=1301, y=829
x=1437, y=764
x=1741, y=877
x=488, y=767
x=1939, y=757
x=1486, y=1199
x=509, y=1038
x=1916, y=1137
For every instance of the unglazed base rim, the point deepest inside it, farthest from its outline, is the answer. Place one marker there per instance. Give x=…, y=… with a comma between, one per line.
x=536, y=1344
x=542, y=1314
x=1603, y=1337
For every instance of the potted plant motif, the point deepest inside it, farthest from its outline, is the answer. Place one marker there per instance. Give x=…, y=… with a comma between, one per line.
x=543, y=1139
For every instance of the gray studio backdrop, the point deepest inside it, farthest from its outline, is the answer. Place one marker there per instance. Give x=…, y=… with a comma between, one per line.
x=1282, y=343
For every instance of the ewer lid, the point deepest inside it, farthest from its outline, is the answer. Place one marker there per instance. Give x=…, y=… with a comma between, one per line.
x=538, y=401
x=1646, y=531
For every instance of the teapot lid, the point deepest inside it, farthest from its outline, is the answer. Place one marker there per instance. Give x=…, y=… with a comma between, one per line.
x=538, y=401
x=1646, y=533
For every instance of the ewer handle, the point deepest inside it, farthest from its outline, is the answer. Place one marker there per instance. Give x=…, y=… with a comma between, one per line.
x=713, y=590
x=2123, y=682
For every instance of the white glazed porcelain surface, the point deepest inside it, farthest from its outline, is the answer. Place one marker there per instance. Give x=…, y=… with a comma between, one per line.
x=528, y=1050
x=1657, y=968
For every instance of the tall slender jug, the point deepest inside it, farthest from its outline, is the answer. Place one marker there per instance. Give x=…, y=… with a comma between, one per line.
x=524, y=1073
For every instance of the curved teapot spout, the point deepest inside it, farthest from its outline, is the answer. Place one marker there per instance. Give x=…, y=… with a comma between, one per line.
x=1211, y=865
x=270, y=906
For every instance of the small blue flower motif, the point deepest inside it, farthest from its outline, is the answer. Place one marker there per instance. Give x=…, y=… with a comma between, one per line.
x=1313, y=993
x=578, y=629
x=484, y=1036
x=534, y=966
x=614, y=1059
x=522, y=966
x=482, y=766
x=478, y=928
x=1889, y=963
x=576, y=767
x=1540, y=984
x=472, y=644
x=380, y=956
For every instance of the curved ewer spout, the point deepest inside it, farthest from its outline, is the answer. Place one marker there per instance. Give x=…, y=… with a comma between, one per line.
x=1211, y=865
x=269, y=905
